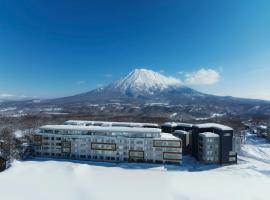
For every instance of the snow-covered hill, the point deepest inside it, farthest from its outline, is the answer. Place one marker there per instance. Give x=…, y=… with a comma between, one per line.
x=143, y=82
x=42, y=180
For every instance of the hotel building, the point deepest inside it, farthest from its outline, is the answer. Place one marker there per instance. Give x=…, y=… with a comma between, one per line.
x=108, y=142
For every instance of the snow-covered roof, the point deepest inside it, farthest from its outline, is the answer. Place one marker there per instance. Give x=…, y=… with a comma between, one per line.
x=105, y=123
x=168, y=136
x=174, y=124
x=262, y=127
x=208, y=134
x=101, y=128
x=214, y=125
x=184, y=124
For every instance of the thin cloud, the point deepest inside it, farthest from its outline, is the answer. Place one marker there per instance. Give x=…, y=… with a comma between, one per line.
x=180, y=72
x=99, y=85
x=161, y=71
x=80, y=82
x=13, y=96
x=203, y=77
x=108, y=75
x=5, y=95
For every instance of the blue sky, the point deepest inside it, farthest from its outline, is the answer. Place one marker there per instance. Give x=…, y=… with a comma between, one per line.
x=56, y=48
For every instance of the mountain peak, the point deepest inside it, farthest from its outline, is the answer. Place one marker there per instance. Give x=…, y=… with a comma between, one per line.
x=144, y=81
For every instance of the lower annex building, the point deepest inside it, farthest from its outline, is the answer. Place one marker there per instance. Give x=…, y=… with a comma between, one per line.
x=108, y=142
x=201, y=136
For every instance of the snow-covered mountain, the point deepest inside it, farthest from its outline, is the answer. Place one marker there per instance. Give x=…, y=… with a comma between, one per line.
x=140, y=85
x=147, y=86
x=145, y=82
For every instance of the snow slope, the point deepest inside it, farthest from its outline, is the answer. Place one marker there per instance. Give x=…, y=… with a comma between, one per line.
x=143, y=81
x=43, y=180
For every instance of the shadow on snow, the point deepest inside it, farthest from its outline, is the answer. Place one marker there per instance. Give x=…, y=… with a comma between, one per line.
x=189, y=164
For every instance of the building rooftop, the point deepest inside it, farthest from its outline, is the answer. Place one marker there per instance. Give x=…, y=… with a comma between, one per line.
x=174, y=124
x=168, y=136
x=184, y=124
x=209, y=134
x=101, y=128
x=214, y=125
x=181, y=132
x=103, y=123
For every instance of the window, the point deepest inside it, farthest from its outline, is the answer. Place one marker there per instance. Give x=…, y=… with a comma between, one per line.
x=171, y=156
x=139, y=142
x=48, y=131
x=164, y=143
x=136, y=154
x=103, y=146
x=158, y=149
x=139, y=148
x=232, y=159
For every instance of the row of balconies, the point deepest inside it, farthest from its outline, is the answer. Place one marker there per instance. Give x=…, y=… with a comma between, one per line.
x=167, y=159
x=150, y=155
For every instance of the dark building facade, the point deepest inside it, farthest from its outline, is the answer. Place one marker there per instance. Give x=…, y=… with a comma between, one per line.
x=186, y=138
x=227, y=156
x=3, y=164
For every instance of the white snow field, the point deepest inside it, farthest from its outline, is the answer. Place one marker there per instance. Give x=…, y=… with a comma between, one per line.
x=49, y=180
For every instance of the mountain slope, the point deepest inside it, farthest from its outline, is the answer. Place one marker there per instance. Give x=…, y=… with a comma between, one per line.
x=141, y=85
x=144, y=82
x=146, y=86
x=141, y=89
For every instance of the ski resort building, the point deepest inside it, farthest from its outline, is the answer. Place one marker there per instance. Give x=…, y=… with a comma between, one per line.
x=208, y=148
x=226, y=153
x=107, y=143
x=191, y=139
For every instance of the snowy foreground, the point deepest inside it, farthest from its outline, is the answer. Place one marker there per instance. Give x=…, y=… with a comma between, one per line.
x=43, y=180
